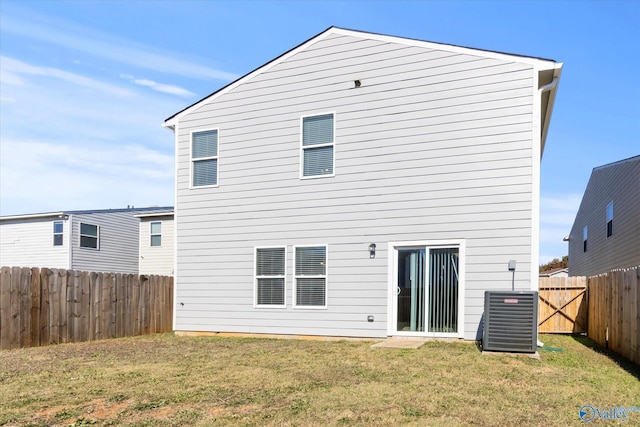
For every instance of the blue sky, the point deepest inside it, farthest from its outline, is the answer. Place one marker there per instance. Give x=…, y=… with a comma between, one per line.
x=85, y=85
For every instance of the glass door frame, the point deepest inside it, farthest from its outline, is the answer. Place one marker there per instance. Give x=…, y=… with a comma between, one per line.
x=392, y=308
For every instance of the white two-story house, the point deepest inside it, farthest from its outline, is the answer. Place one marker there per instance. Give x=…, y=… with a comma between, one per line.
x=361, y=185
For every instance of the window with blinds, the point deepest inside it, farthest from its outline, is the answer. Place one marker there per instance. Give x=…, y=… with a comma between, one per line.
x=317, y=146
x=311, y=276
x=270, y=276
x=204, y=158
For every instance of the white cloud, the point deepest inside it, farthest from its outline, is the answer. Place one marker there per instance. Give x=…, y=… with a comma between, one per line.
x=105, y=46
x=160, y=87
x=557, y=212
x=16, y=68
x=56, y=175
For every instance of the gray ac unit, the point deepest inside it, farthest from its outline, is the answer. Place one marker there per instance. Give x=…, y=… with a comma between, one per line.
x=510, y=321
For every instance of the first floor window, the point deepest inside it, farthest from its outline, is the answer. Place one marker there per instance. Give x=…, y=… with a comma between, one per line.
x=156, y=233
x=58, y=229
x=204, y=158
x=311, y=276
x=270, y=276
x=610, y=219
x=89, y=236
x=584, y=239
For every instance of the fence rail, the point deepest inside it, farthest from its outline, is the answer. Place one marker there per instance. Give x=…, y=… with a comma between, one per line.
x=562, y=305
x=41, y=306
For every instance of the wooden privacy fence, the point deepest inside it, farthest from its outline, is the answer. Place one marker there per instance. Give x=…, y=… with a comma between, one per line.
x=606, y=307
x=40, y=306
x=614, y=311
x=562, y=305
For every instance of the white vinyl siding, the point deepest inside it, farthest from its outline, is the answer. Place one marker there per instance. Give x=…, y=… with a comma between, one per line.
x=29, y=243
x=58, y=233
x=317, y=156
x=310, y=273
x=89, y=236
x=155, y=233
x=157, y=259
x=270, y=276
x=204, y=158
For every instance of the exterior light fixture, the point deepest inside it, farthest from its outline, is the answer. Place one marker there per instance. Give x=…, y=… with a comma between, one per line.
x=372, y=250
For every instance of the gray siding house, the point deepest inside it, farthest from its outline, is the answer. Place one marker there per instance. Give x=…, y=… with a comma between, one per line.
x=360, y=185
x=89, y=240
x=606, y=232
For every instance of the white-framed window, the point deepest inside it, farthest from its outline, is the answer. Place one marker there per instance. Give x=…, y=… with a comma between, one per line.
x=270, y=276
x=155, y=231
x=310, y=276
x=89, y=236
x=610, y=219
x=204, y=158
x=584, y=239
x=58, y=233
x=317, y=146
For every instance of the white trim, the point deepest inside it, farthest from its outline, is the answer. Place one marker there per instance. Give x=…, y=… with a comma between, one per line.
x=536, y=159
x=326, y=278
x=216, y=157
x=97, y=236
x=255, y=278
x=60, y=215
x=176, y=162
x=332, y=144
x=392, y=272
x=542, y=63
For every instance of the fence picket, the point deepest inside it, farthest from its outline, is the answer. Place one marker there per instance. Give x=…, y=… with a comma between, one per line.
x=40, y=306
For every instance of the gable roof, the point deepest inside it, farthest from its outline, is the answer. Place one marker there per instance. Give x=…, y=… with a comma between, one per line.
x=541, y=63
x=619, y=162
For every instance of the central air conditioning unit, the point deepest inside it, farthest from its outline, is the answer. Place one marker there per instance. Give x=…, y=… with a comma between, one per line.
x=510, y=321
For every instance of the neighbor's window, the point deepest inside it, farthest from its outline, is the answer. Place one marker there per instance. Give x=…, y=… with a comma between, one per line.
x=311, y=276
x=584, y=239
x=610, y=219
x=58, y=229
x=89, y=236
x=317, y=145
x=204, y=158
x=156, y=233
x=270, y=276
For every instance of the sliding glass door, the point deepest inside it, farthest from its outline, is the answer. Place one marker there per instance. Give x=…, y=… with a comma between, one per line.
x=426, y=296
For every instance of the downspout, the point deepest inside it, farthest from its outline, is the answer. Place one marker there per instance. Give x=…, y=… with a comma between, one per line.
x=543, y=89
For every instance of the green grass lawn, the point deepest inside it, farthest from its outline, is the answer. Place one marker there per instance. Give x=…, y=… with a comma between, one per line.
x=167, y=380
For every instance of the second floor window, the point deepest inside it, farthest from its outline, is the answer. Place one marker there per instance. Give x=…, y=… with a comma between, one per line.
x=58, y=229
x=156, y=233
x=610, y=219
x=584, y=239
x=89, y=236
x=204, y=158
x=317, y=146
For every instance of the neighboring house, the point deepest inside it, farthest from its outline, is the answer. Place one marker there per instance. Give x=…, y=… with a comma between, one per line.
x=556, y=272
x=606, y=232
x=91, y=240
x=361, y=185
x=157, y=243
